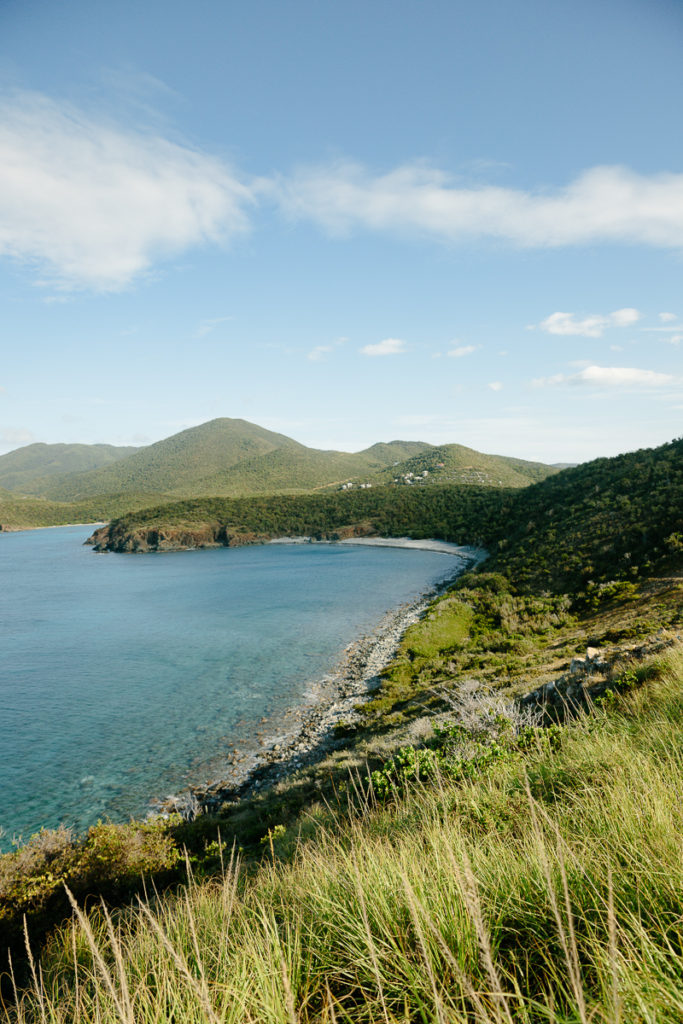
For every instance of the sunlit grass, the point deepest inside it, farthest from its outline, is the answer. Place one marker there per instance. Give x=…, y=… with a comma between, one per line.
x=548, y=890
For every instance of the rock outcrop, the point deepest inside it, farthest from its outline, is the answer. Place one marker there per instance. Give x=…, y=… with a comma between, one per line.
x=116, y=537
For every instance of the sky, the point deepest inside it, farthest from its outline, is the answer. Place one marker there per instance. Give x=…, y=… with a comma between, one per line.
x=349, y=222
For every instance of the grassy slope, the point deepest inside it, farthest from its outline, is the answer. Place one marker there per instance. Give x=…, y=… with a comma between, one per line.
x=546, y=887
x=31, y=469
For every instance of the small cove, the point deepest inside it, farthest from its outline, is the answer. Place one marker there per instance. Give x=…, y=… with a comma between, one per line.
x=124, y=678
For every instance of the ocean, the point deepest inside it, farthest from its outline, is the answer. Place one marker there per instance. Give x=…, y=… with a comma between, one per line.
x=125, y=678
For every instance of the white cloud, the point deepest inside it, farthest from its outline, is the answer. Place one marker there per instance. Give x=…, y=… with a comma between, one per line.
x=624, y=317
x=675, y=339
x=388, y=347
x=462, y=350
x=591, y=326
x=603, y=204
x=496, y=385
x=667, y=317
x=93, y=204
x=609, y=376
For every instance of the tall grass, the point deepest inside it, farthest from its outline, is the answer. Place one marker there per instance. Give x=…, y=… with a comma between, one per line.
x=549, y=890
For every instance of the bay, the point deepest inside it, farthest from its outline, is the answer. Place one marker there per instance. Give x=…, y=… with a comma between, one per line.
x=128, y=677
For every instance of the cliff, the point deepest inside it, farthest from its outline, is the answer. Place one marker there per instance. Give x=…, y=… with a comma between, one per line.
x=115, y=537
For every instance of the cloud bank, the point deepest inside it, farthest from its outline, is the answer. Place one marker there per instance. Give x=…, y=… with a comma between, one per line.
x=604, y=204
x=88, y=203
x=591, y=326
x=610, y=376
x=92, y=204
x=388, y=347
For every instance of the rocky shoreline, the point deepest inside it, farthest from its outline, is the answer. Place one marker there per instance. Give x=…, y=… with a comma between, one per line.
x=311, y=730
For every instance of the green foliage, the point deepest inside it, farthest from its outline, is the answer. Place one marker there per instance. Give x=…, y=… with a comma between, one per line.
x=455, y=464
x=31, y=469
x=234, y=458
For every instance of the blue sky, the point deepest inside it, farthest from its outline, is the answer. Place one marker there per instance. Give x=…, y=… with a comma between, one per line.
x=348, y=222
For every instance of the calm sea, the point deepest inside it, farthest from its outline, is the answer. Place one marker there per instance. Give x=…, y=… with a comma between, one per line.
x=125, y=677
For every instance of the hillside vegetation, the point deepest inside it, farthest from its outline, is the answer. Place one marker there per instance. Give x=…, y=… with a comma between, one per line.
x=32, y=469
x=455, y=464
x=228, y=457
x=615, y=518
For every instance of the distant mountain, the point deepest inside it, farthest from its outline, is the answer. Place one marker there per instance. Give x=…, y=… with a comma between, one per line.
x=31, y=469
x=456, y=464
x=296, y=469
x=235, y=458
x=174, y=466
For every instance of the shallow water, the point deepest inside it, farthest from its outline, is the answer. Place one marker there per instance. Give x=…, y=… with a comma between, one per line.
x=124, y=677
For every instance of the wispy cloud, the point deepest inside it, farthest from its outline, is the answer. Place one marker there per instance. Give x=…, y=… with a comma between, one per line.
x=462, y=350
x=93, y=204
x=207, y=326
x=609, y=376
x=496, y=385
x=592, y=326
x=667, y=317
x=318, y=354
x=603, y=204
x=388, y=347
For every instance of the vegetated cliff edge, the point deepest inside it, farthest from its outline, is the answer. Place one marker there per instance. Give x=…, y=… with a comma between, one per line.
x=115, y=537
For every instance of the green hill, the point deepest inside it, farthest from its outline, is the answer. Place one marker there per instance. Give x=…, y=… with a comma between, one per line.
x=294, y=469
x=617, y=518
x=234, y=458
x=31, y=469
x=173, y=466
x=456, y=464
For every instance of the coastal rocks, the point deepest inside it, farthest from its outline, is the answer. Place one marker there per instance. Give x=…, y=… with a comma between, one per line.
x=588, y=678
x=306, y=734
x=170, y=538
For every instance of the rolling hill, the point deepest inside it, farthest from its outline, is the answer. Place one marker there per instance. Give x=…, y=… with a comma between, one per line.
x=33, y=468
x=174, y=465
x=456, y=464
x=233, y=458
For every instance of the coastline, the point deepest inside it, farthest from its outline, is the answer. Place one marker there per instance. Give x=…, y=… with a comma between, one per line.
x=306, y=732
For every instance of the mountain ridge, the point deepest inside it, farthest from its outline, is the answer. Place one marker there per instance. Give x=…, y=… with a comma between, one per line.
x=233, y=457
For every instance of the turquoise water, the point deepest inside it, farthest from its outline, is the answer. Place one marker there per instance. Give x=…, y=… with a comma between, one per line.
x=125, y=677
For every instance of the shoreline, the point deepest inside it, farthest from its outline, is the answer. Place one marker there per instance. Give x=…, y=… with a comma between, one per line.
x=305, y=733
x=53, y=526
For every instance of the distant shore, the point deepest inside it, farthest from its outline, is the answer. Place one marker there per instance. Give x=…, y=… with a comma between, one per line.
x=52, y=526
x=305, y=733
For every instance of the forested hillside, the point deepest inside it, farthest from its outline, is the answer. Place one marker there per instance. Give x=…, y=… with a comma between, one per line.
x=234, y=458
x=611, y=518
x=33, y=468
